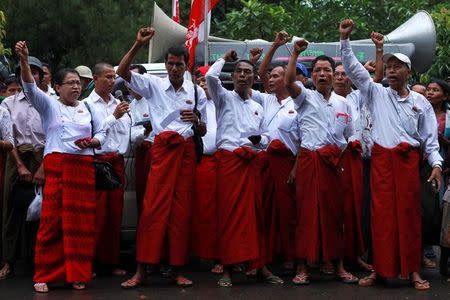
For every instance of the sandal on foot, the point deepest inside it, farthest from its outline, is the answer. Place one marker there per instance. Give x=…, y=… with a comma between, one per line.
x=251, y=273
x=347, y=277
x=224, y=282
x=428, y=263
x=301, y=278
x=327, y=269
x=131, y=283
x=217, y=269
x=420, y=285
x=273, y=279
x=368, y=281
x=40, y=287
x=183, y=281
x=6, y=273
x=78, y=286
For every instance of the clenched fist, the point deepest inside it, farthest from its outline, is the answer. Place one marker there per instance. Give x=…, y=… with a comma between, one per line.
x=345, y=28
x=255, y=54
x=281, y=38
x=300, y=46
x=377, y=39
x=144, y=35
x=230, y=56
x=21, y=49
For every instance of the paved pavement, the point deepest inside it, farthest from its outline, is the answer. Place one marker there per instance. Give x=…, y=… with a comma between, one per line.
x=205, y=287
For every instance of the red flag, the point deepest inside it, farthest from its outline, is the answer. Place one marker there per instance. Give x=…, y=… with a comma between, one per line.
x=175, y=11
x=196, y=26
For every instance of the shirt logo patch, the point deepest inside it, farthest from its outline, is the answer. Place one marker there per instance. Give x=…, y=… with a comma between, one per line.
x=343, y=117
x=291, y=111
x=188, y=101
x=80, y=111
x=256, y=113
x=145, y=115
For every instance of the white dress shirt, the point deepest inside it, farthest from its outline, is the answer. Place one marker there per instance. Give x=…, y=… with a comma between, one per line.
x=5, y=126
x=362, y=122
x=63, y=124
x=140, y=112
x=117, y=130
x=237, y=119
x=163, y=100
x=26, y=122
x=288, y=131
x=395, y=120
x=322, y=122
x=209, y=140
x=274, y=111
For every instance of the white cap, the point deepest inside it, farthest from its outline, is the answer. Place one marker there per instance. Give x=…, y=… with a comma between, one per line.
x=84, y=72
x=400, y=56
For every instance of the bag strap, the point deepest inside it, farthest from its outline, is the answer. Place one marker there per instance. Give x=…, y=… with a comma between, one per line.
x=92, y=120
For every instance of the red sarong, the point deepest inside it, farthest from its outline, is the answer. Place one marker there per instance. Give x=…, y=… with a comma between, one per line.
x=142, y=162
x=319, y=231
x=396, y=210
x=281, y=162
x=166, y=218
x=236, y=200
x=66, y=237
x=204, y=220
x=266, y=213
x=352, y=184
x=109, y=214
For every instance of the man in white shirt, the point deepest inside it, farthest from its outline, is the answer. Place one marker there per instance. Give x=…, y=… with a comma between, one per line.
x=324, y=127
x=403, y=123
x=239, y=126
x=110, y=202
x=164, y=225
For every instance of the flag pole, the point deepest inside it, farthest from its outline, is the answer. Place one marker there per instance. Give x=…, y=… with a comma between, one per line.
x=206, y=33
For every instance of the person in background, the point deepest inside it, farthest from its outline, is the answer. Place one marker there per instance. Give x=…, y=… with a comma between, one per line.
x=117, y=125
x=46, y=84
x=419, y=88
x=12, y=86
x=23, y=163
x=87, y=81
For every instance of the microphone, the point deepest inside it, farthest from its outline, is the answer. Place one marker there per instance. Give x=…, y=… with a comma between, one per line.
x=119, y=95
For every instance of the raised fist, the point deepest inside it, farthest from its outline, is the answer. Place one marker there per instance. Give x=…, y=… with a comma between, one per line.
x=370, y=66
x=377, y=39
x=230, y=56
x=300, y=45
x=345, y=28
x=255, y=54
x=144, y=35
x=281, y=38
x=21, y=49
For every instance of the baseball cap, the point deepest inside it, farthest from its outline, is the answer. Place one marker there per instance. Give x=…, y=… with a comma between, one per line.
x=400, y=56
x=34, y=62
x=84, y=72
x=302, y=68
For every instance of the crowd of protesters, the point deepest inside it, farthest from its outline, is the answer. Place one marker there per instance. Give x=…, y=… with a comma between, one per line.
x=339, y=166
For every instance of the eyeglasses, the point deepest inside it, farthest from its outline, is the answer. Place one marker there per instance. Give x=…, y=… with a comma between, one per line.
x=72, y=83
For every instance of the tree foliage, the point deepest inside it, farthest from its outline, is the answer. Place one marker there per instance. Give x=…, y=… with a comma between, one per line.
x=3, y=50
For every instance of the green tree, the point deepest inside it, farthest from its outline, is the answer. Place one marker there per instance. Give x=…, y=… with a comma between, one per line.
x=3, y=50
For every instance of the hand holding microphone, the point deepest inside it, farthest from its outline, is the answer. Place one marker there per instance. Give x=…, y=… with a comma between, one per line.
x=123, y=107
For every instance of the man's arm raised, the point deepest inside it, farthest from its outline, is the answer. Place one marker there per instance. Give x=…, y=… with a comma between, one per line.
x=215, y=88
x=281, y=38
x=378, y=40
x=144, y=35
x=289, y=80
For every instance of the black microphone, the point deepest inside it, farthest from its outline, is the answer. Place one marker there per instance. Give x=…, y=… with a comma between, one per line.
x=119, y=95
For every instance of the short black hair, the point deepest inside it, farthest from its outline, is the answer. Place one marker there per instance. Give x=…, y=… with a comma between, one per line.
x=61, y=74
x=178, y=51
x=277, y=64
x=322, y=58
x=11, y=79
x=419, y=83
x=100, y=67
x=141, y=69
x=47, y=65
x=247, y=62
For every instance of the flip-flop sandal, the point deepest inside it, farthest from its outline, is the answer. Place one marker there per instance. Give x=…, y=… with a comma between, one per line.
x=40, y=287
x=183, y=281
x=327, y=270
x=422, y=285
x=8, y=273
x=347, y=277
x=251, y=273
x=131, y=283
x=428, y=263
x=78, y=286
x=273, y=279
x=369, y=281
x=301, y=279
x=224, y=282
x=217, y=269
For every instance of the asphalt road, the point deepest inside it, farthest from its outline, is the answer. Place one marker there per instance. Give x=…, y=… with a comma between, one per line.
x=205, y=287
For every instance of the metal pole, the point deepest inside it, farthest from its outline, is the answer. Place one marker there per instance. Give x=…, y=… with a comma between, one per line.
x=206, y=33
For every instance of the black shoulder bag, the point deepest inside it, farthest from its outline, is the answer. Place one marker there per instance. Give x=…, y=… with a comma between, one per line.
x=105, y=176
x=198, y=141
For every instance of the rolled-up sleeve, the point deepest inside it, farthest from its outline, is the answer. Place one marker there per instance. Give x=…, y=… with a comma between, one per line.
x=428, y=133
